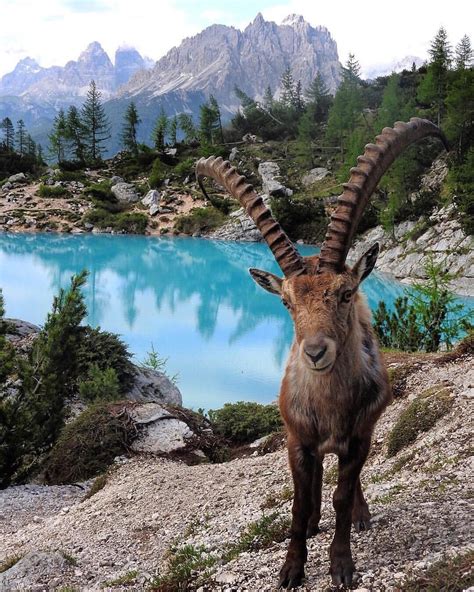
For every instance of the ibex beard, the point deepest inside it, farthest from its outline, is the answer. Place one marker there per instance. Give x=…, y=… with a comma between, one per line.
x=335, y=386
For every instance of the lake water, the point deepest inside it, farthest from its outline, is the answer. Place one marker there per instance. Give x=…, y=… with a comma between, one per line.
x=193, y=299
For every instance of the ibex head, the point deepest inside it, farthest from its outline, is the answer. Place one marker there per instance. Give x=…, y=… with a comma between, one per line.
x=321, y=292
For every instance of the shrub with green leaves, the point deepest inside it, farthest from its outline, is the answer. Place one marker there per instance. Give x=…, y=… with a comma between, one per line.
x=244, y=422
x=199, y=220
x=158, y=174
x=89, y=444
x=101, y=192
x=52, y=191
x=100, y=385
x=126, y=222
x=301, y=217
x=428, y=317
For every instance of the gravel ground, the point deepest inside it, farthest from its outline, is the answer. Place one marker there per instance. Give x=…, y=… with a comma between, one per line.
x=420, y=512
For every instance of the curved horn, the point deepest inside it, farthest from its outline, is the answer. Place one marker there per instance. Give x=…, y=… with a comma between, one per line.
x=285, y=253
x=371, y=166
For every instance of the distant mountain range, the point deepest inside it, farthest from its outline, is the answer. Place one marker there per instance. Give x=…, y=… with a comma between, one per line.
x=212, y=62
x=397, y=66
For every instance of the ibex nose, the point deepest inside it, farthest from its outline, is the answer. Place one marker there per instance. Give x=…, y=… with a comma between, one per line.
x=315, y=352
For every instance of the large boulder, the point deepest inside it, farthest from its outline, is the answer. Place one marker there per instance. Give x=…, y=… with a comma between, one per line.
x=270, y=172
x=153, y=386
x=160, y=431
x=125, y=192
x=152, y=198
x=18, y=178
x=36, y=571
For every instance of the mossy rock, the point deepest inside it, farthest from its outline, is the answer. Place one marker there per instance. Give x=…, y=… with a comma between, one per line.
x=420, y=416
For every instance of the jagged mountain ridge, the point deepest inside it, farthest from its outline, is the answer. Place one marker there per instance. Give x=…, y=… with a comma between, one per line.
x=405, y=63
x=221, y=57
x=67, y=85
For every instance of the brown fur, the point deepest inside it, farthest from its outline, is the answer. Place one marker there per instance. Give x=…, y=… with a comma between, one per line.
x=330, y=401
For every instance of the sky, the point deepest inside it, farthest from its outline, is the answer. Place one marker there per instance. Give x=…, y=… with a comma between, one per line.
x=55, y=31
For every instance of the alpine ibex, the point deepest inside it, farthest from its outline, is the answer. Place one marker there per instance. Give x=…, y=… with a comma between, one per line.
x=335, y=385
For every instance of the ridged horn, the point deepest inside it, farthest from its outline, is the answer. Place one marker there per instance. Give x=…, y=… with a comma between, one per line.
x=285, y=253
x=371, y=166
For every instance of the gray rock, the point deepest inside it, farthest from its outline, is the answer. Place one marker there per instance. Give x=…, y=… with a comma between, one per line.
x=150, y=385
x=88, y=226
x=270, y=171
x=314, y=175
x=125, y=192
x=151, y=198
x=19, y=328
x=116, y=179
x=7, y=186
x=160, y=432
x=233, y=154
x=154, y=209
x=18, y=178
x=34, y=571
x=171, y=151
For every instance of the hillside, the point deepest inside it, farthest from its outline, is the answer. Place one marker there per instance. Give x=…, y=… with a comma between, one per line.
x=128, y=532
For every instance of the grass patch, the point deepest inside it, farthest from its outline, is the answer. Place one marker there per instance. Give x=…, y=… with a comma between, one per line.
x=258, y=535
x=100, y=191
x=70, y=559
x=419, y=417
x=274, y=500
x=99, y=483
x=126, y=222
x=9, y=562
x=451, y=574
x=199, y=220
x=388, y=497
x=127, y=579
x=189, y=564
x=52, y=191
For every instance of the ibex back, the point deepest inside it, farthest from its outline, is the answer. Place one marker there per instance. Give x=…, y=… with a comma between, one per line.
x=335, y=385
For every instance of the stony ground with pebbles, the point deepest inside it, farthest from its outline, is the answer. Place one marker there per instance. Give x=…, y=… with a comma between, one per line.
x=120, y=538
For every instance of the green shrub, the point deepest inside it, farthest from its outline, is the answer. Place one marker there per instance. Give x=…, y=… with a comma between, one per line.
x=420, y=416
x=52, y=190
x=186, y=566
x=301, y=217
x=101, y=192
x=69, y=176
x=158, y=174
x=462, y=178
x=88, y=444
x=104, y=350
x=185, y=167
x=100, y=385
x=426, y=318
x=450, y=574
x=199, y=220
x=244, y=422
x=128, y=222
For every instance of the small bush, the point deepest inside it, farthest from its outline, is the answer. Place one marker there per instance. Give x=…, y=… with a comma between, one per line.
x=104, y=350
x=99, y=483
x=185, y=167
x=244, y=422
x=158, y=174
x=101, y=385
x=301, y=217
x=419, y=417
x=126, y=222
x=185, y=567
x=69, y=176
x=199, y=220
x=52, y=190
x=101, y=191
x=89, y=444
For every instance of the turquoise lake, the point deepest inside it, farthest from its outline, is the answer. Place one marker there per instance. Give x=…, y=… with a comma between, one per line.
x=193, y=299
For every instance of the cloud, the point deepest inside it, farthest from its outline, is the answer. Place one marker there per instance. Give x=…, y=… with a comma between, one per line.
x=86, y=5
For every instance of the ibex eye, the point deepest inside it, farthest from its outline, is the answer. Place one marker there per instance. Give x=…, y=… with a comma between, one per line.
x=346, y=295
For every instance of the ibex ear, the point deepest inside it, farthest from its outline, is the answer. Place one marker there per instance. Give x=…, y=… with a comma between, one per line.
x=266, y=280
x=366, y=263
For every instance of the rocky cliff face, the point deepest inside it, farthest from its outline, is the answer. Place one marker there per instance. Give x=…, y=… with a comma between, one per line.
x=220, y=58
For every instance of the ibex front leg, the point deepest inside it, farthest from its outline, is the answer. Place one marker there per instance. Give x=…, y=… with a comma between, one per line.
x=302, y=466
x=350, y=465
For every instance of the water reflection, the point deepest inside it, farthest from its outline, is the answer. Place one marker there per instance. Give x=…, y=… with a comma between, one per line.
x=192, y=298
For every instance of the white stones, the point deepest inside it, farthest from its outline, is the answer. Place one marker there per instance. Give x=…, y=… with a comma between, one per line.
x=314, y=175
x=151, y=198
x=125, y=192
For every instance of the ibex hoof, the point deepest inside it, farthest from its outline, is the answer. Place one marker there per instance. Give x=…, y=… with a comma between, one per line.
x=291, y=575
x=360, y=525
x=342, y=570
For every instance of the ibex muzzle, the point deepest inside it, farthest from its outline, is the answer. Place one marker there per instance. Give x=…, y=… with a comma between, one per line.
x=335, y=386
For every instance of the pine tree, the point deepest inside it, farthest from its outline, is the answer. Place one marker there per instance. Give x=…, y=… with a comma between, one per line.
x=174, y=131
x=129, y=129
x=58, y=137
x=39, y=153
x=318, y=101
x=21, y=136
x=433, y=88
x=464, y=53
x=298, y=102
x=8, y=134
x=160, y=131
x=288, y=88
x=460, y=111
x=208, y=124
x=186, y=123
x=96, y=124
x=215, y=107
x=30, y=146
x=75, y=134
x=268, y=99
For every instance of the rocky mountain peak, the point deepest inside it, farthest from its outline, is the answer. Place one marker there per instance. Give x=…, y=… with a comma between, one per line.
x=294, y=19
